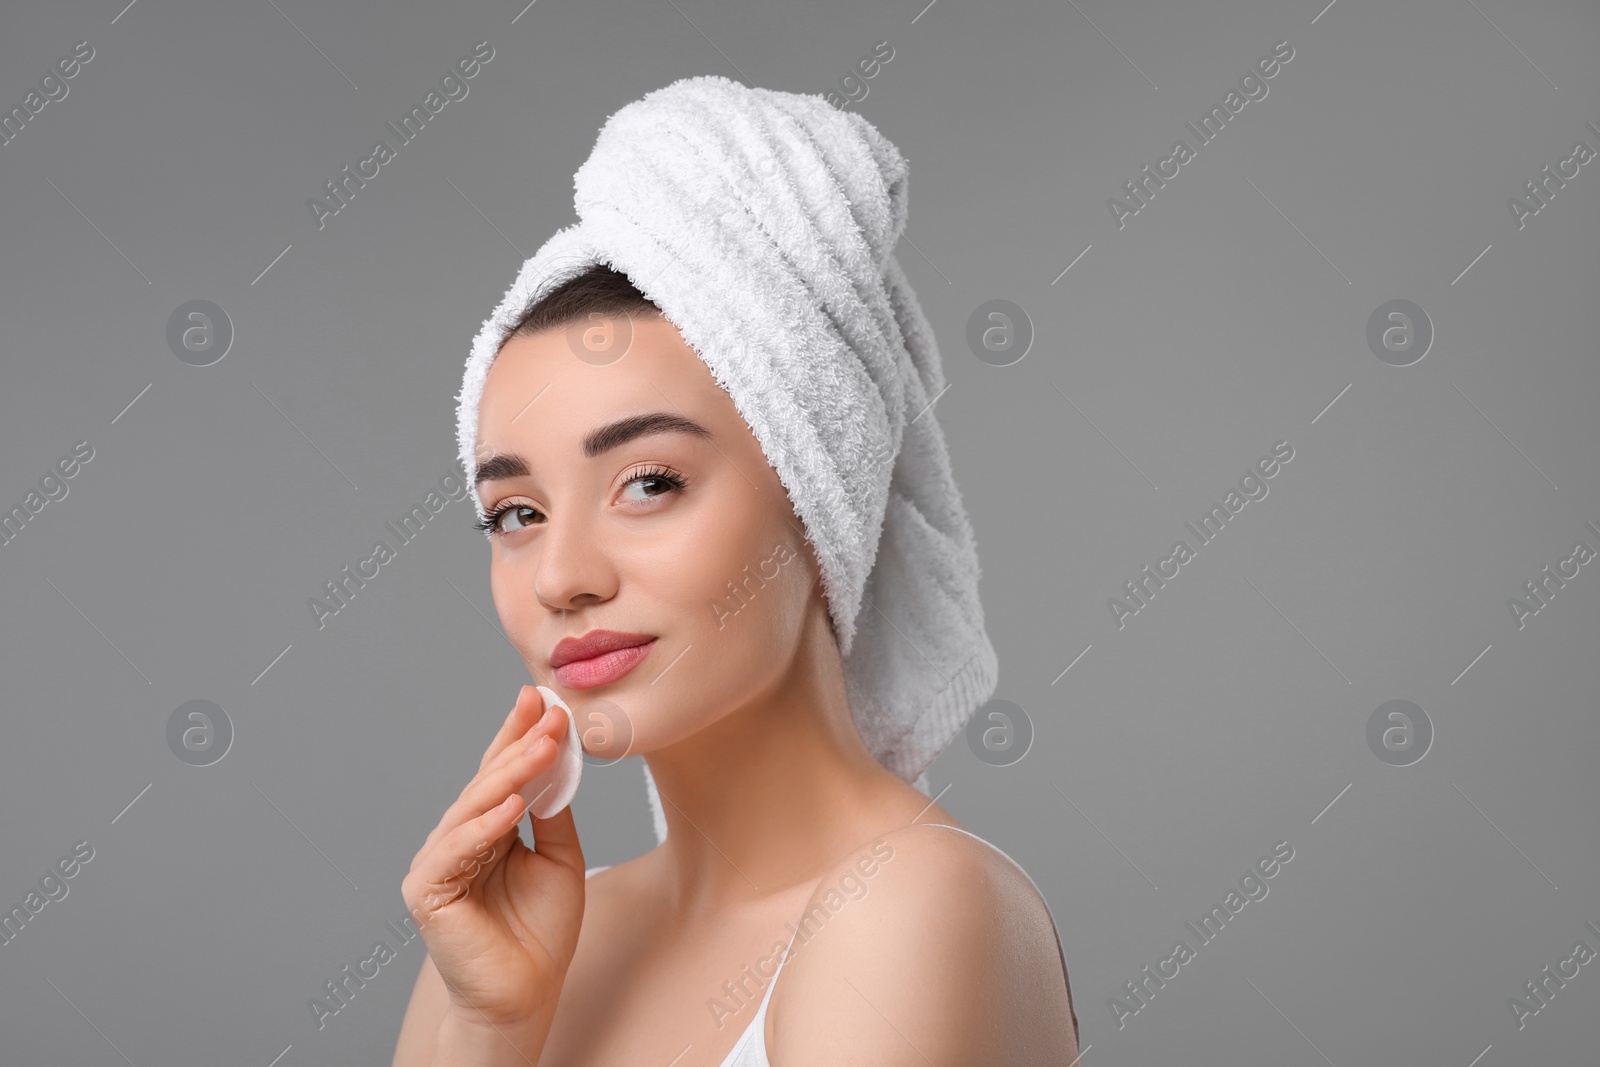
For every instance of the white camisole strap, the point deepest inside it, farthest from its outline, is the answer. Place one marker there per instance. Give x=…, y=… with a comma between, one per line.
x=751, y=1048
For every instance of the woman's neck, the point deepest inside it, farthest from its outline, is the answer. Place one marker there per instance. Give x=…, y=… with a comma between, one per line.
x=756, y=802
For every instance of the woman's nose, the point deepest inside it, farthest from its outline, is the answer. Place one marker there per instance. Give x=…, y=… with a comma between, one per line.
x=573, y=567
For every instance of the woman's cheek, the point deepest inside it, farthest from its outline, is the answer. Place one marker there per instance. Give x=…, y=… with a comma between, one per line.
x=775, y=600
x=514, y=602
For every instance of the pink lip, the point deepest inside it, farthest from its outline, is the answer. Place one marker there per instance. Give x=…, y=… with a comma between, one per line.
x=604, y=668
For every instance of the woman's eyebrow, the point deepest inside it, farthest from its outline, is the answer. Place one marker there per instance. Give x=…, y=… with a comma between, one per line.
x=612, y=434
x=599, y=440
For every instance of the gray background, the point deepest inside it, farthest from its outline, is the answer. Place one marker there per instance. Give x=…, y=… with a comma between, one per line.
x=1229, y=314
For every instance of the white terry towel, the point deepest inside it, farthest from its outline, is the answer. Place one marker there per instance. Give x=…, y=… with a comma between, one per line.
x=763, y=224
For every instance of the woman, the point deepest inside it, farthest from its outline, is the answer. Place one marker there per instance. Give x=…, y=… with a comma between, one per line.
x=722, y=523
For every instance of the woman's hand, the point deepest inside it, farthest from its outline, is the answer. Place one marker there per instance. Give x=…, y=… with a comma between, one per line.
x=501, y=920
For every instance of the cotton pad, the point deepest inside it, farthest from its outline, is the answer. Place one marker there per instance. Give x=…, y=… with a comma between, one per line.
x=553, y=789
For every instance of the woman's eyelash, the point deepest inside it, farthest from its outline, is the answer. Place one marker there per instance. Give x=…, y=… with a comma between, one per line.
x=491, y=521
x=665, y=474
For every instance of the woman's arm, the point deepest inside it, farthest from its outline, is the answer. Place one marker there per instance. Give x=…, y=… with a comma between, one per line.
x=465, y=1043
x=420, y=1029
x=434, y=1036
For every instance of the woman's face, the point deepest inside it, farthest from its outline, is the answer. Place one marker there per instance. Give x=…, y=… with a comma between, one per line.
x=595, y=532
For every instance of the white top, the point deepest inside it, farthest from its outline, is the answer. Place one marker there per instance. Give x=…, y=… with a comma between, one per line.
x=751, y=1048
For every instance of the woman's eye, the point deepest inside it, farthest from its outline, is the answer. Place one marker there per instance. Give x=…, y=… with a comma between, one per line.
x=662, y=485
x=644, y=486
x=520, y=513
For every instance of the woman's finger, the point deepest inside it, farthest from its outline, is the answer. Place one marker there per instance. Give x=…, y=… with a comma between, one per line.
x=515, y=765
x=518, y=732
x=553, y=725
x=556, y=838
x=527, y=709
x=458, y=860
x=486, y=788
x=490, y=810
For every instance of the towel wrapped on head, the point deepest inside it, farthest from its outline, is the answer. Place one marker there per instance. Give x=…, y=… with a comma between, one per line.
x=763, y=225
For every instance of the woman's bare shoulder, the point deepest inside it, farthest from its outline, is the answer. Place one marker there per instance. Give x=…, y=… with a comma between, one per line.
x=932, y=864
x=928, y=945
